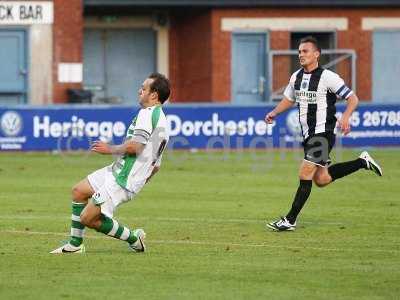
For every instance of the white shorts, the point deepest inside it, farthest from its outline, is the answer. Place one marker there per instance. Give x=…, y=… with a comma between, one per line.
x=107, y=191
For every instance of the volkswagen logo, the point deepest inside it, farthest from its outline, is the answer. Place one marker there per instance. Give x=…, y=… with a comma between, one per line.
x=11, y=123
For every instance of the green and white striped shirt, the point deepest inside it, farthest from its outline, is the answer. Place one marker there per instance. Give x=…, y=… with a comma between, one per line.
x=149, y=127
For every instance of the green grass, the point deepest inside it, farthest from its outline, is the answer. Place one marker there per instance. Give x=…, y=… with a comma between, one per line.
x=204, y=215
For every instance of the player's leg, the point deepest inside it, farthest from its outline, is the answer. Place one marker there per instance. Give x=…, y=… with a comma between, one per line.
x=98, y=214
x=322, y=177
x=113, y=228
x=364, y=161
x=316, y=157
x=81, y=192
x=316, y=154
x=91, y=216
x=307, y=171
x=288, y=223
x=325, y=176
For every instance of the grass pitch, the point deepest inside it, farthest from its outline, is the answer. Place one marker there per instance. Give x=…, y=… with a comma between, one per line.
x=204, y=215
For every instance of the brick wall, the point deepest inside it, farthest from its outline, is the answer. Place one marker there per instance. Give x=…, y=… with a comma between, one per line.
x=190, y=57
x=67, y=41
x=221, y=61
x=200, y=53
x=280, y=40
x=354, y=38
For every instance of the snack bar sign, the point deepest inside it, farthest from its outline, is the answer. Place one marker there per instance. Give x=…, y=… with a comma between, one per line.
x=29, y=12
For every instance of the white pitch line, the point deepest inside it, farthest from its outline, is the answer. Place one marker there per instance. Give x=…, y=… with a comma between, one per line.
x=191, y=220
x=225, y=244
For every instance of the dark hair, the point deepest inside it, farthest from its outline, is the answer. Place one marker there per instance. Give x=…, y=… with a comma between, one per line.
x=312, y=40
x=161, y=86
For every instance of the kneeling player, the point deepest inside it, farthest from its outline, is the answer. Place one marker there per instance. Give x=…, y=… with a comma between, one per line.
x=115, y=184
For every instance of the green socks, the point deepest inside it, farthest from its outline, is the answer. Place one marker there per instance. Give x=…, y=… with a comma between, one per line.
x=108, y=226
x=77, y=229
x=112, y=228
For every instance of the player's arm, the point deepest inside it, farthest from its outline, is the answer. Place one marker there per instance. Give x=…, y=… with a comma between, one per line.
x=282, y=106
x=344, y=122
x=134, y=145
x=337, y=86
x=128, y=147
x=286, y=103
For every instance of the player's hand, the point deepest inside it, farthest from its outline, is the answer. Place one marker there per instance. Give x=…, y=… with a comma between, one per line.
x=344, y=124
x=269, y=118
x=101, y=147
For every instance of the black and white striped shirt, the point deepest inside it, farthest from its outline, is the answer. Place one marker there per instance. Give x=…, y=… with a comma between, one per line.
x=316, y=93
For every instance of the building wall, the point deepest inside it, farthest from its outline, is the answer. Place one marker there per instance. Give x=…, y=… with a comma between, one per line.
x=38, y=47
x=352, y=38
x=40, y=74
x=199, y=50
x=190, y=57
x=68, y=39
x=280, y=40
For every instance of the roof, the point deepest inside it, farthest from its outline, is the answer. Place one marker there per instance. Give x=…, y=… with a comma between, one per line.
x=244, y=3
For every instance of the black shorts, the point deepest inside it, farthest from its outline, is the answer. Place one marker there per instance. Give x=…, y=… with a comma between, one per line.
x=317, y=148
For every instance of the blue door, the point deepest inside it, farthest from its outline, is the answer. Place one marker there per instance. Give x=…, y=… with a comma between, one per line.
x=13, y=71
x=116, y=61
x=248, y=68
x=386, y=66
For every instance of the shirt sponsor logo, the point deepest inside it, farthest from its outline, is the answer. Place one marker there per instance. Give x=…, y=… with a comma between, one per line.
x=309, y=97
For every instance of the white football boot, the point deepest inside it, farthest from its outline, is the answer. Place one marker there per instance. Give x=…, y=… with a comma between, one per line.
x=68, y=248
x=371, y=163
x=282, y=225
x=139, y=245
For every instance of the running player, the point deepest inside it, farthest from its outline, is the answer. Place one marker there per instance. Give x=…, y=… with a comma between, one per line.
x=315, y=91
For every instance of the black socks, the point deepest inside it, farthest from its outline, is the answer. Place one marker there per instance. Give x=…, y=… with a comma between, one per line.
x=336, y=171
x=302, y=194
x=343, y=169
